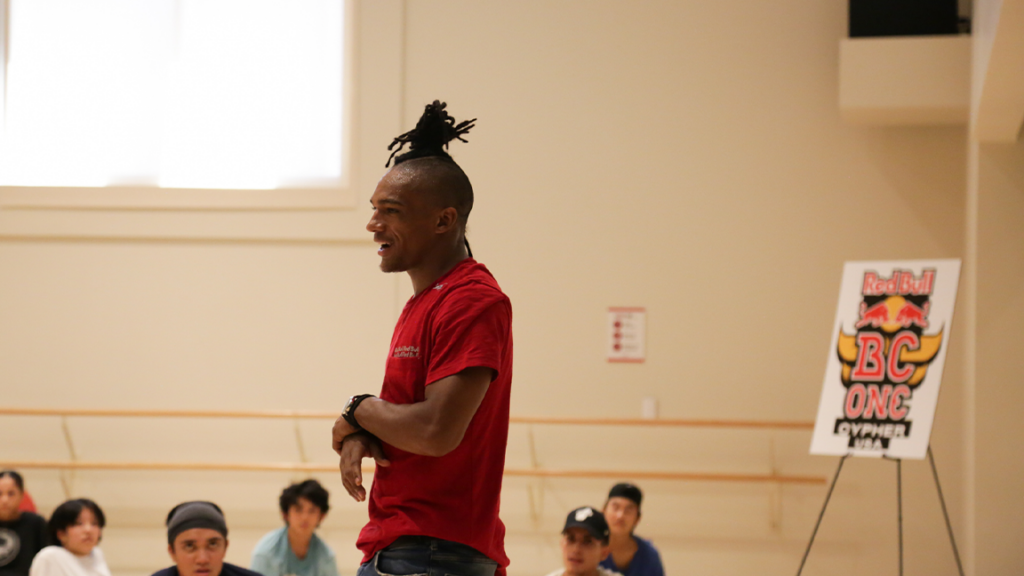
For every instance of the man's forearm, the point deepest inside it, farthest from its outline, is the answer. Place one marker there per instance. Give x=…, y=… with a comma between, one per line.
x=435, y=426
x=414, y=428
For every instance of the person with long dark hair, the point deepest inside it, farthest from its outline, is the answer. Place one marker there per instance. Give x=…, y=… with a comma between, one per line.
x=22, y=534
x=75, y=528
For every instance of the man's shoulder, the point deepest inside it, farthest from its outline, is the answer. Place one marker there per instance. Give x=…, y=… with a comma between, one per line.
x=607, y=572
x=474, y=277
x=322, y=546
x=646, y=545
x=470, y=292
x=32, y=519
x=270, y=541
x=50, y=552
x=558, y=572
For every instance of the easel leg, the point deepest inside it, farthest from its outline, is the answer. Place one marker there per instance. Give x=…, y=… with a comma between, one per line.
x=822, y=514
x=899, y=506
x=945, y=514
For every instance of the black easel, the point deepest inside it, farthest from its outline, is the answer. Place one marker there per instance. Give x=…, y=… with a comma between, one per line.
x=899, y=511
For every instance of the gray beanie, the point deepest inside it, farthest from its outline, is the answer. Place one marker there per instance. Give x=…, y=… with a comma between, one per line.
x=189, y=515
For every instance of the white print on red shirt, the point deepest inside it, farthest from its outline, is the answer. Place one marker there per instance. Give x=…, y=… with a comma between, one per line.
x=407, y=352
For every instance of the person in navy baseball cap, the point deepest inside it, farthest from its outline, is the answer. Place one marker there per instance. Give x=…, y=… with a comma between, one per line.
x=584, y=543
x=630, y=554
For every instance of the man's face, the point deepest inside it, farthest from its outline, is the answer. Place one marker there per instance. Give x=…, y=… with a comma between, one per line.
x=10, y=499
x=199, y=552
x=581, y=552
x=622, y=515
x=403, y=223
x=303, y=517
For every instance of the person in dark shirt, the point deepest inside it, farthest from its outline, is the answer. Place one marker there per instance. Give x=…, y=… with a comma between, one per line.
x=22, y=534
x=630, y=554
x=197, y=539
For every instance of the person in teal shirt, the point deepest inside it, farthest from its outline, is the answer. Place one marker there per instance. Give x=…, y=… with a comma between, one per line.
x=295, y=549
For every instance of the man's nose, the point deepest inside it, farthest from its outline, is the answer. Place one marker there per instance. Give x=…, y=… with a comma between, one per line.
x=374, y=225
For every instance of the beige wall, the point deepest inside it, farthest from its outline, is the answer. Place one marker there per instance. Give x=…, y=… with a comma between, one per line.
x=685, y=157
x=999, y=431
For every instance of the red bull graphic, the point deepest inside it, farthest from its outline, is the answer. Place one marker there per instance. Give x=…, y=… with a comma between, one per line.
x=886, y=358
x=889, y=345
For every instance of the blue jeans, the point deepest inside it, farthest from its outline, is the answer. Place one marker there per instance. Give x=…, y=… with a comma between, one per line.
x=423, y=556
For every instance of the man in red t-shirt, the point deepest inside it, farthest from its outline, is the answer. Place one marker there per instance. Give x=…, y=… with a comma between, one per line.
x=439, y=429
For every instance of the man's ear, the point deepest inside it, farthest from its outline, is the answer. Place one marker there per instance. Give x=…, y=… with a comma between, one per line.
x=606, y=549
x=170, y=552
x=226, y=544
x=447, y=219
x=323, y=516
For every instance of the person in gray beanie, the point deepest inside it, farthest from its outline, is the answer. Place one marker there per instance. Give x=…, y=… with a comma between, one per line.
x=197, y=539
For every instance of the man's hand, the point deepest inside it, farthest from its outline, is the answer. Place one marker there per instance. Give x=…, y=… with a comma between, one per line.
x=341, y=430
x=352, y=449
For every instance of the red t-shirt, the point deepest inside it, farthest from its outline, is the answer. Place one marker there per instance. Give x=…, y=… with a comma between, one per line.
x=462, y=321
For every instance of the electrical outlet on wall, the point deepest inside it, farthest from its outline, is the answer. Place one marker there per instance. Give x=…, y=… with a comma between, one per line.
x=649, y=408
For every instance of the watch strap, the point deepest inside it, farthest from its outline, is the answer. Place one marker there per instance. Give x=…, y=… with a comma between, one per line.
x=350, y=409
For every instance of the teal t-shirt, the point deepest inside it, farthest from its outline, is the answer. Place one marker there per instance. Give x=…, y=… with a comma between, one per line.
x=273, y=556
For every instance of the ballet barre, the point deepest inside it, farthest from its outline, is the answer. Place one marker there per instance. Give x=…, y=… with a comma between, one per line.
x=315, y=415
x=535, y=471
x=313, y=468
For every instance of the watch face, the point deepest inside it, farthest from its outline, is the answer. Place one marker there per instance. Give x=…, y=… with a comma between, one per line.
x=348, y=404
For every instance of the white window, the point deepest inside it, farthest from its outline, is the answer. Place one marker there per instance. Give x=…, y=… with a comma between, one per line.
x=235, y=94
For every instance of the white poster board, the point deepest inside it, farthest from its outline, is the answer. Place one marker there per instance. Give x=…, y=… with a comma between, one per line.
x=627, y=328
x=885, y=363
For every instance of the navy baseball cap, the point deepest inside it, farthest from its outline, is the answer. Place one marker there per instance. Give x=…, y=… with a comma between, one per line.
x=590, y=520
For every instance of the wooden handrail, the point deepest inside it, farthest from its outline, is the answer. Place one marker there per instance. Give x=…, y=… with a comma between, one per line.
x=310, y=468
x=309, y=414
x=678, y=422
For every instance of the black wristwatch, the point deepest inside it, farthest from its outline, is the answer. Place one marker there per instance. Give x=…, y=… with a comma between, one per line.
x=349, y=413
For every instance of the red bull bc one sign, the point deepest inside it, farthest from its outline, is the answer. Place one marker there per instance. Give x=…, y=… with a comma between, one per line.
x=885, y=363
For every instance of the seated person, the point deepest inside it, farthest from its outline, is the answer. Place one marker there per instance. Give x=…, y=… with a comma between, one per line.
x=22, y=534
x=584, y=544
x=294, y=548
x=76, y=527
x=197, y=539
x=630, y=554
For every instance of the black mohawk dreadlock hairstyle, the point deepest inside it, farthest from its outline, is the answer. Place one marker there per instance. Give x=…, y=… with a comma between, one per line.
x=434, y=130
x=429, y=139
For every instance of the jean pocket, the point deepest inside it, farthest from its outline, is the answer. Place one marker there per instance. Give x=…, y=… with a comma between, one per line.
x=389, y=564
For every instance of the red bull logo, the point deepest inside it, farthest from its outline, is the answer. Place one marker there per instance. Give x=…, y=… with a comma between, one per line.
x=893, y=311
x=886, y=357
